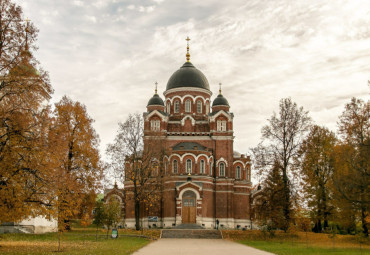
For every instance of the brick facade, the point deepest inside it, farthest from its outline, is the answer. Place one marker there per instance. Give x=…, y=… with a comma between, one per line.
x=200, y=158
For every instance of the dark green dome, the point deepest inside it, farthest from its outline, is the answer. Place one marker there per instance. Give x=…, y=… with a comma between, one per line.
x=156, y=100
x=187, y=76
x=220, y=100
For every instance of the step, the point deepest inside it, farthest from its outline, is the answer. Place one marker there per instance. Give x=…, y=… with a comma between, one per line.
x=191, y=233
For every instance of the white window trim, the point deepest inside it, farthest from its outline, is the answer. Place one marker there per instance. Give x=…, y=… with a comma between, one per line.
x=188, y=106
x=155, y=125
x=202, y=168
x=175, y=166
x=187, y=168
x=221, y=125
x=238, y=173
x=176, y=107
x=168, y=107
x=219, y=169
x=199, y=106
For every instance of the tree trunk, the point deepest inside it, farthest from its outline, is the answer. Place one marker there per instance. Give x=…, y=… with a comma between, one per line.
x=363, y=221
x=286, y=205
x=137, y=214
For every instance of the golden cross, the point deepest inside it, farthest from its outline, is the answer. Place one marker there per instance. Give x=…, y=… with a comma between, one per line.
x=156, y=85
x=187, y=50
x=220, y=87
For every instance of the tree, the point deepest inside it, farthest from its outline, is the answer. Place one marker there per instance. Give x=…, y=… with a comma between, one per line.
x=112, y=213
x=283, y=135
x=78, y=171
x=24, y=118
x=138, y=164
x=268, y=204
x=352, y=158
x=316, y=172
x=99, y=215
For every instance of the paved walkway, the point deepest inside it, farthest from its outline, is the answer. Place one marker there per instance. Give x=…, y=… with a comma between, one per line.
x=198, y=247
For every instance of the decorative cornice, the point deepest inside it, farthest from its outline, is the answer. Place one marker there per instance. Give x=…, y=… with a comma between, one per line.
x=187, y=89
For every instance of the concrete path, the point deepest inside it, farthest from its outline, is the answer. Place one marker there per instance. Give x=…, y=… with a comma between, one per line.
x=197, y=247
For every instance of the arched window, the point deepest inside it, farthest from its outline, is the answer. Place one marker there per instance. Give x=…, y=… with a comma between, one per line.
x=207, y=108
x=248, y=177
x=168, y=107
x=176, y=107
x=238, y=173
x=202, y=167
x=210, y=169
x=187, y=106
x=174, y=166
x=188, y=166
x=222, y=169
x=165, y=168
x=199, y=107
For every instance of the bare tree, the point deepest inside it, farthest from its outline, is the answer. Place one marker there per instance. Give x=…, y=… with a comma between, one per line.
x=137, y=163
x=281, y=140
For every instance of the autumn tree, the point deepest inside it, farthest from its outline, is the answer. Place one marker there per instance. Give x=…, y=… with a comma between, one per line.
x=281, y=140
x=316, y=172
x=138, y=165
x=78, y=171
x=352, y=158
x=24, y=118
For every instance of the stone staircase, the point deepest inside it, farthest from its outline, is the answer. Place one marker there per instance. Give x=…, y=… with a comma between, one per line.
x=191, y=233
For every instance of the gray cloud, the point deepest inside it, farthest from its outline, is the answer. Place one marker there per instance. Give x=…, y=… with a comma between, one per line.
x=108, y=54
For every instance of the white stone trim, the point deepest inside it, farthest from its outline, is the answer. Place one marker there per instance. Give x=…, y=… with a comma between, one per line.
x=239, y=161
x=191, y=189
x=227, y=115
x=187, y=89
x=163, y=117
x=221, y=160
x=188, y=117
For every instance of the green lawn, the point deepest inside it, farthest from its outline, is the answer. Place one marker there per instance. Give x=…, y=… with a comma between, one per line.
x=286, y=248
x=74, y=242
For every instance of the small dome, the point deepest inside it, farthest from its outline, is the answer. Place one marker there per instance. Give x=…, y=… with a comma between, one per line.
x=220, y=100
x=156, y=100
x=187, y=76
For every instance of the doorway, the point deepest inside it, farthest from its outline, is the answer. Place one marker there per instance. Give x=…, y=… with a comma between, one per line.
x=189, y=207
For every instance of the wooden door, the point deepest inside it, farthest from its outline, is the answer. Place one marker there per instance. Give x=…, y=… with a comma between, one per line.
x=188, y=210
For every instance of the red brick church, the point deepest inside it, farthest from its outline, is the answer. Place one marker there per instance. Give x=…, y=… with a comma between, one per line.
x=205, y=179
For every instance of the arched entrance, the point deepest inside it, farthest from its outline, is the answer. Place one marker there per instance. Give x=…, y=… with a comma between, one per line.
x=189, y=207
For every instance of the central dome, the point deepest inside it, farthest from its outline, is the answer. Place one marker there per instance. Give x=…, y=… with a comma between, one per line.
x=188, y=76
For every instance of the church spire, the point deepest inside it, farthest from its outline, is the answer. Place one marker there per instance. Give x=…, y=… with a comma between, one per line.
x=187, y=50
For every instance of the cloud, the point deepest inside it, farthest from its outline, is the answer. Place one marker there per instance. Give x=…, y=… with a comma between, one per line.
x=108, y=55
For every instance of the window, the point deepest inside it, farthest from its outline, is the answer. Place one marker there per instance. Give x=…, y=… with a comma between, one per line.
x=174, y=166
x=176, y=107
x=207, y=108
x=210, y=169
x=248, y=178
x=202, y=169
x=238, y=173
x=187, y=106
x=165, y=168
x=221, y=125
x=155, y=125
x=222, y=169
x=168, y=108
x=188, y=166
x=199, y=107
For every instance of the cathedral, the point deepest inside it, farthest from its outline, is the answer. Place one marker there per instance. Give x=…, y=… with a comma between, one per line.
x=205, y=180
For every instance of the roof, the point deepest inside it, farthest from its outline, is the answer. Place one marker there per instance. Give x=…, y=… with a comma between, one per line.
x=187, y=146
x=156, y=100
x=188, y=76
x=220, y=100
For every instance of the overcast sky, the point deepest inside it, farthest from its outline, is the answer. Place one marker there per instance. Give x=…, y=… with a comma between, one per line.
x=107, y=54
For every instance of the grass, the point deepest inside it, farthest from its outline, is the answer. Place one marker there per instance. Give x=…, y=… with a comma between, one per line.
x=300, y=243
x=78, y=241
